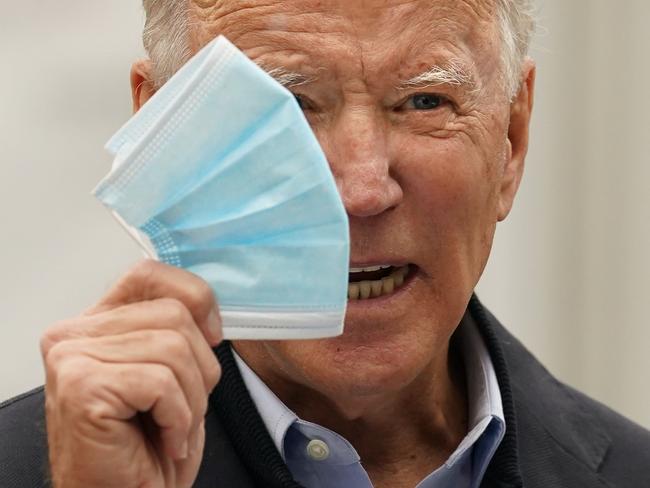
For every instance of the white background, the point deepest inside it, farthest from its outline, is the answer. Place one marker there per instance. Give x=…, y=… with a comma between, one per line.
x=569, y=271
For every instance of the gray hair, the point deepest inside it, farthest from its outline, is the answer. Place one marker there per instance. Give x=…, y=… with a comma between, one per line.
x=516, y=23
x=166, y=36
x=167, y=27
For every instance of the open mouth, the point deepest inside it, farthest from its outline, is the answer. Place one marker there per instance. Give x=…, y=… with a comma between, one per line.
x=375, y=281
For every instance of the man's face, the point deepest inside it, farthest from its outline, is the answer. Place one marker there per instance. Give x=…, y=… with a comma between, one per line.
x=425, y=172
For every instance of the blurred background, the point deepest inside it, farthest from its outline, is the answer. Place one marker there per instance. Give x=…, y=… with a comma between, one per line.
x=570, y=267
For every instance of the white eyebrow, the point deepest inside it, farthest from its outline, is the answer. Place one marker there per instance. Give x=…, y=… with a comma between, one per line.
x=288, y=78
x=453, y=73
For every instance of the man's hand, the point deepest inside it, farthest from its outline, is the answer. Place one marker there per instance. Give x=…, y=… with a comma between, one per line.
x=127, y=383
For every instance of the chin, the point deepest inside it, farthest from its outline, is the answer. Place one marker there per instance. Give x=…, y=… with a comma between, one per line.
x=359, y=363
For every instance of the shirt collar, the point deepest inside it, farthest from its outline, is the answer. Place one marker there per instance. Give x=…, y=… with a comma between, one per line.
x=485, y=406
x=483, y=394
x=275, y=414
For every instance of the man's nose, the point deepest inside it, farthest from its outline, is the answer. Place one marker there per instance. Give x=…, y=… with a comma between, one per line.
x=359, y=156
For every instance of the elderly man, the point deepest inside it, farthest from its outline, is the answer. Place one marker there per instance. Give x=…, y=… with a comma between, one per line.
x=422, y=108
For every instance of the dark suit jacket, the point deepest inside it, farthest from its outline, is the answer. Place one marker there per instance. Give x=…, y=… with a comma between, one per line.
x=556, y=436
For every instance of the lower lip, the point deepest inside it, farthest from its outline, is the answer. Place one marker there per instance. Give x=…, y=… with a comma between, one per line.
x=409, y=282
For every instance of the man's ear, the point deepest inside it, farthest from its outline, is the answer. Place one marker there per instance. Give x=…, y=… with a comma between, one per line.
x=521, y=109
x=142, y=86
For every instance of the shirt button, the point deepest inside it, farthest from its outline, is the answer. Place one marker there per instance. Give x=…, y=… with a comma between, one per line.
x=318, y=450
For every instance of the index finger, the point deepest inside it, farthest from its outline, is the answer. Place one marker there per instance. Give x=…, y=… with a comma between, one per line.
x=151, y=280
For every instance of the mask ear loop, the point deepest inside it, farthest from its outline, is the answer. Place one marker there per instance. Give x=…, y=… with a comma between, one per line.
x=140, y=238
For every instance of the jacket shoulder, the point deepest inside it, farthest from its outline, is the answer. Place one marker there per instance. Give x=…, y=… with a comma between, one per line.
x=574, y=433
x=23, y=441
x=568, y=439
x=556, y=435
x=587, y=433
x=626, y=461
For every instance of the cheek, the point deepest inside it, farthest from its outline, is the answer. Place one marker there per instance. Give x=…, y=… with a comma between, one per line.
x=447, y=178
x=450, y=190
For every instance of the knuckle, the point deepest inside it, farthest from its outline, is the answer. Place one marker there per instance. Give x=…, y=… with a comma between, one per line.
x=140, y=275
x=142, y=270
x=57, y=355
x=165, y=381
x=52, y=336
x=201, y=293
x=175, y=311
x=47, y=341
x=94, y=411
x=213, y=374
x=174, y=344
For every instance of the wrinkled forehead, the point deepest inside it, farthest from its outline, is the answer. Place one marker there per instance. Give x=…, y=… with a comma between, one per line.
x=380, y=34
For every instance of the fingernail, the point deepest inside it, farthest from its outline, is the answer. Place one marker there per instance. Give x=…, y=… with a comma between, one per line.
x=197, y=438
x=214, y=326
x=182, y=454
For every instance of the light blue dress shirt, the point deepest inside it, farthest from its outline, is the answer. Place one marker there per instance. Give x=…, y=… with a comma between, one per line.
x=320, y=458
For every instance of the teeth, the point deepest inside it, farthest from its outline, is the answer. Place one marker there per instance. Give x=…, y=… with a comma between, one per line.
x=353, y=291
x=370, y=268
x=399, y=279
x=364, y=289
x=388, y=284
x=376, y=288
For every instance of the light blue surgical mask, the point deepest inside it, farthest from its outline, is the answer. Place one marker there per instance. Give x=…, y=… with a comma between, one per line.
x=219, y=173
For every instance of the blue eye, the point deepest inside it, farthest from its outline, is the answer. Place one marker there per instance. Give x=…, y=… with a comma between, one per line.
x=426, y=101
